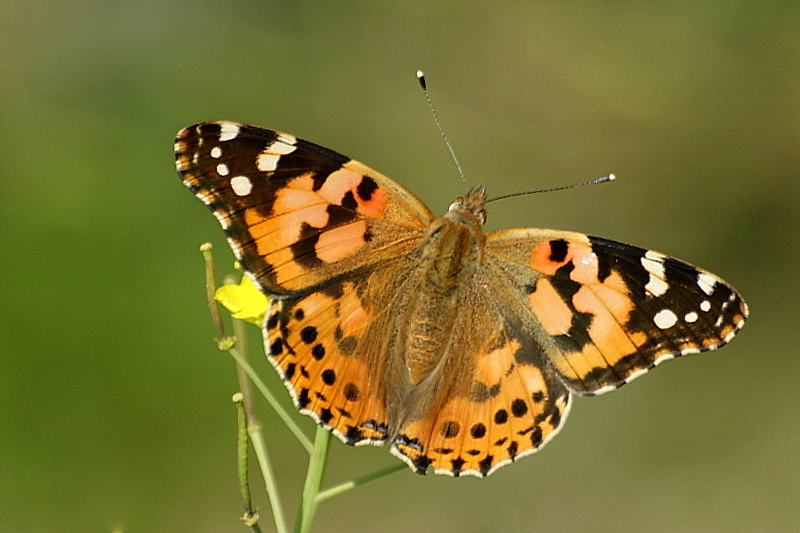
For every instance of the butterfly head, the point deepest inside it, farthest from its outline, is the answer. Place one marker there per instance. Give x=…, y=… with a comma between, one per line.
x=470, y=207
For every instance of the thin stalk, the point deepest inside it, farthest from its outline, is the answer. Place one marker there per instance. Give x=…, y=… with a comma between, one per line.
x=240, y=334
x=273, y=401
x=250, y=517
x=316, y=469
x=353, y=483
x=211, y=285
x=268, y=473
x=253, y=435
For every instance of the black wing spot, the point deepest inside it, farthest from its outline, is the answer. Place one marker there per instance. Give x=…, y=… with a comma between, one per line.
x=366, y=188
x=318, y=351
x=308, y=334
x=329, y=377
x=558, y=250
x=349, y=201
x=276, y=348
x=450, y=429
x=519, y=408
x=351, y=392
x=477, y=431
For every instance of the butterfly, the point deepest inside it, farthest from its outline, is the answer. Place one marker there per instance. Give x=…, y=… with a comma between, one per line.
x=460, y=349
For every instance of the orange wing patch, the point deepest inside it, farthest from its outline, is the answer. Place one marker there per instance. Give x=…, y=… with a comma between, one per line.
x=511, y=410
x=310, y=341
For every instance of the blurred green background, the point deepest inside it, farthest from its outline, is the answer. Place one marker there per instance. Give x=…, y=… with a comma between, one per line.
x=116, y=412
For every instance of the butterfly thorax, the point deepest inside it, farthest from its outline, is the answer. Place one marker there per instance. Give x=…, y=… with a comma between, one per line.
x=449, y=258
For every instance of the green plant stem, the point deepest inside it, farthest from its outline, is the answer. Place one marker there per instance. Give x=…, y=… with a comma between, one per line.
x=316, y=469
x=353, y=483
x=211, y=286
x=273, y=401
x=250, y=517
x=242, y=453
x=267, y=472
x=250, y=432
x=240, y=334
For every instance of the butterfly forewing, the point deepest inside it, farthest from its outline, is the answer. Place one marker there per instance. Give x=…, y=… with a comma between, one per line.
x=613, y=311
x=296, y=214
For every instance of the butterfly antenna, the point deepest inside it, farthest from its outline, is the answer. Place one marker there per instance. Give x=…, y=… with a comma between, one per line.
x=604, y=179
x=424, y=85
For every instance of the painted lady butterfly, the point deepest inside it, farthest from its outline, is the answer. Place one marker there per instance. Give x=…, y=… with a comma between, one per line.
x=459, y=348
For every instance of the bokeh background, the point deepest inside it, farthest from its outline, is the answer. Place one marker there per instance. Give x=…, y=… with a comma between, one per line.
x=116, y=412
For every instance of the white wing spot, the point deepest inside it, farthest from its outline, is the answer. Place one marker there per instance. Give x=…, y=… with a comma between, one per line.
x=216, y=152
x=654, y=264
x=268, y=162
x=706, y=282
x=241, y=185
x=656, y=286
x=691, y=317
x=705, y=306
x=228, y=131
x=268, y=159
x=222, y=169
x=665, y=319
x=288, y=140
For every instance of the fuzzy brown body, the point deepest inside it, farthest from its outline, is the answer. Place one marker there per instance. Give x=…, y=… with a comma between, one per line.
x=449, y=257
x=445, y=265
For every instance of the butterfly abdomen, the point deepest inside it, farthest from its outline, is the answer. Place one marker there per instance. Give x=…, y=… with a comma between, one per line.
x=449, y=257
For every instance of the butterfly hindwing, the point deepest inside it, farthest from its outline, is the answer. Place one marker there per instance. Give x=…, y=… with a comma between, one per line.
x=316, y=342
x=506, y=402
x=613, y=311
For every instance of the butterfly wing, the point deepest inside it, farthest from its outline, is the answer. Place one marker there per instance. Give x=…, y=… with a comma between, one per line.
x=331, y=348
x=324, y=235
x=296, y=214
x=607, y=312
x=495, y=399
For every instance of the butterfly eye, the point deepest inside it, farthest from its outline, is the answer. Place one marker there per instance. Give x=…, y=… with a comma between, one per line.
x=458, y=204
x=481, y=214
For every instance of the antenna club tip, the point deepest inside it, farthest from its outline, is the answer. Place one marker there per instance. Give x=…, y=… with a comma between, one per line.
x=421, y=79
x=611, y=177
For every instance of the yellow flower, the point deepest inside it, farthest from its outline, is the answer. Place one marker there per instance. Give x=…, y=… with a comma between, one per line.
x=244, y=301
